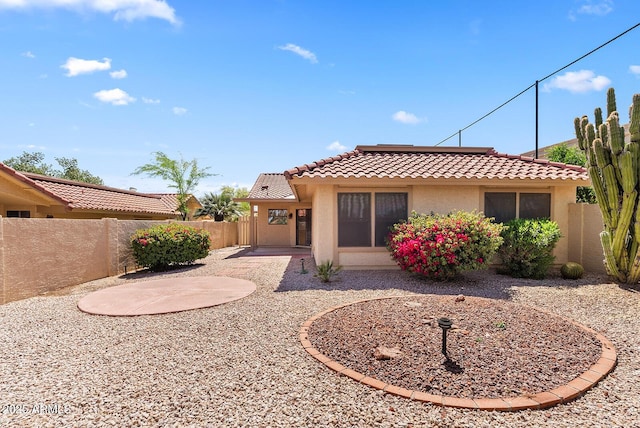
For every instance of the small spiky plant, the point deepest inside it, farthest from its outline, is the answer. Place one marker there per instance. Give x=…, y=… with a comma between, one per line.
x=325, y=271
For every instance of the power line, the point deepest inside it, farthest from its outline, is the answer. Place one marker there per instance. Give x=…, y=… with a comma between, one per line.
x=540, y=80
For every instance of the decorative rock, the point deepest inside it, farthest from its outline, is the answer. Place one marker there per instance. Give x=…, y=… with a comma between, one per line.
x=384, y=353
x=460, y=298
x=412, y=304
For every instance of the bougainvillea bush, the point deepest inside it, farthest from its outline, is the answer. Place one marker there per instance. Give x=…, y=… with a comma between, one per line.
x=441, y=246
x=166, y=245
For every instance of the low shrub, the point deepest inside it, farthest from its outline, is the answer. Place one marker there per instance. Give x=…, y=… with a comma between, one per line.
x=527, y=250
x=166, y=245
x=442, y=246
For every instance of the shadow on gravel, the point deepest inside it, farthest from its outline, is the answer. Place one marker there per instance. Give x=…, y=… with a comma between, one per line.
x=477, y=283
x=146, y=273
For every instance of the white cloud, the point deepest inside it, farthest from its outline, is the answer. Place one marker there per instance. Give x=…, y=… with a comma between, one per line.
x=76, y=66
x=600, y=8
x=635, y=69
x=117, y=97
x=126, y=10
x=592, y=7
x=120, y=74
x=304, y=53
x=150, y=100
x=578, y=82
x=407, y=118
x=179, y=111
x=27, y=54
x=336, y=146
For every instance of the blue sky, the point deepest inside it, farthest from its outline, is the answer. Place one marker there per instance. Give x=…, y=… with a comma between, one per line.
x=266, y=85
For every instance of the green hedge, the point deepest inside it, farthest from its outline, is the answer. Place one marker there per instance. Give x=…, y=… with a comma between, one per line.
x=163, y=246
x=527, y=249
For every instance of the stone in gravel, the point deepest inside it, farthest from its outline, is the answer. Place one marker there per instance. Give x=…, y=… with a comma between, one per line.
x=413, y=304
x=384, y=353
x=460, y=298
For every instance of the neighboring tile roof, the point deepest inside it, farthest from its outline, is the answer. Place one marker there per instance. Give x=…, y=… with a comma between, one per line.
x=270, y=186
x=543, y=152
x=78, y=195
x=391, y=161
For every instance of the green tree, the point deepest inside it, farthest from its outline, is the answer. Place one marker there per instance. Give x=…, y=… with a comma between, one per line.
x=237, y=192
x=30, y=162
x=34, y=163
x=573, y=156
x=182, y=175
x=219, y=206
x=71, y=171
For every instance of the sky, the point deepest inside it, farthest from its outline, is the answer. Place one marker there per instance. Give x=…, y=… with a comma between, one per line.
x=252, y=86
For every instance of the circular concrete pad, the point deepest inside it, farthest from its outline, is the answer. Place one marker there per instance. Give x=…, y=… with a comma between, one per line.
x=166, y=295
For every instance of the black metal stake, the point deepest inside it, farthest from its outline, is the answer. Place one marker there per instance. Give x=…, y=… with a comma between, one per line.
x=445, y=324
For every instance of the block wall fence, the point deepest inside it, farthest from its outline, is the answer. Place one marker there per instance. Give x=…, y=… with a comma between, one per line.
x=38, y=256
x=42, y=255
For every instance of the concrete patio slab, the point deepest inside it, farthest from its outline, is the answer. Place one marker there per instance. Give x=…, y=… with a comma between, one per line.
x=165, y=295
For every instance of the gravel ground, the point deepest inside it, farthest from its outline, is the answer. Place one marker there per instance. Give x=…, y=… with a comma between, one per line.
x=489, y=356
x=241, y=363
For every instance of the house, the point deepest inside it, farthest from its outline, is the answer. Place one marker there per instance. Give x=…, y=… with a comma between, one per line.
x=38, y=196
x=342, y=207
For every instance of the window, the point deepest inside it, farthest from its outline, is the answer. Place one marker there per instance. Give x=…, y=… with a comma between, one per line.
x=278, y=216
x=355, y=226
x=22, y=214
x=535, y=205
x=354, y=219
x=504, y=205
x=390, y=207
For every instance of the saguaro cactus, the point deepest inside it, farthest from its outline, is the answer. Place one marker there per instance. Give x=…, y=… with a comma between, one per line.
x=614, y=169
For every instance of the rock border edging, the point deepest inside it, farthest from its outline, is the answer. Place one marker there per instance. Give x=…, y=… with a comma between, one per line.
x=542, y=400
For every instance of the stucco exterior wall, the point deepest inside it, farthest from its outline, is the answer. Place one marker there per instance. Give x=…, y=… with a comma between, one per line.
x=443, y=199
x=324, y=235
x=43, y=255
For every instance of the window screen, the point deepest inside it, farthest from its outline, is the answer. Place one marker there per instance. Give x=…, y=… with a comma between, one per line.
x=354, y=220
x=390, y=208
x=501, y=205
x=535, y=205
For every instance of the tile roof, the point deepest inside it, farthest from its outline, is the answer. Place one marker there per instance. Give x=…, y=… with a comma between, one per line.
x=270, y=186
x=396, y=161
x=85, y=196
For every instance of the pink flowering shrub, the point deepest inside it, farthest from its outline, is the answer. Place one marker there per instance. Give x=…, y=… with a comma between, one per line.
x=166, y=245
x=441, y=246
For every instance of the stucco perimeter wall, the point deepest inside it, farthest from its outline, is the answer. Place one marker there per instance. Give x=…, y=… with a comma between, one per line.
x=584, y=236
x=42, y=255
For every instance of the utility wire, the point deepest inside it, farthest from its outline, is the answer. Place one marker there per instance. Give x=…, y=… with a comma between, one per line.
x=540, y=80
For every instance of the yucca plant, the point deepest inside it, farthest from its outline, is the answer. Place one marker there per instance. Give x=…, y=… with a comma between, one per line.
x=325, y=271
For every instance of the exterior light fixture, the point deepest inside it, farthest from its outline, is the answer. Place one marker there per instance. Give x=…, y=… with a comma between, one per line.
x=303, y=270
x=445, y=324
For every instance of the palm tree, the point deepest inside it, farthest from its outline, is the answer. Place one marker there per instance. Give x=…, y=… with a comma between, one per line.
x=184, y=176
x=220, y=207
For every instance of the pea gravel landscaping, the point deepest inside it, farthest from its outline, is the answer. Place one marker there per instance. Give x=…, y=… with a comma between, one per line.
x=241, y=363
